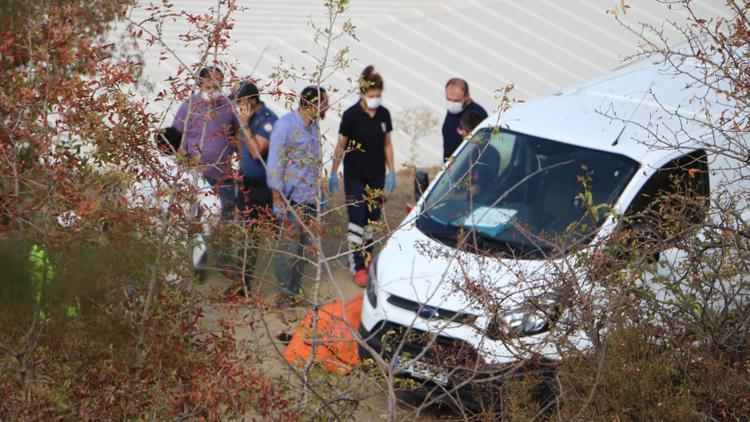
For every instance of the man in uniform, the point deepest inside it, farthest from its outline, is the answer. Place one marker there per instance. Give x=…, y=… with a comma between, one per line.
x=255, y=199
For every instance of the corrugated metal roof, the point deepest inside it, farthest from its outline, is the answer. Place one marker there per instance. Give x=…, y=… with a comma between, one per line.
x=540, y=46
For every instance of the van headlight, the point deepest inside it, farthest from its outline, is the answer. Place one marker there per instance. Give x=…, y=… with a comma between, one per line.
x=530, y=319
x=372, y=283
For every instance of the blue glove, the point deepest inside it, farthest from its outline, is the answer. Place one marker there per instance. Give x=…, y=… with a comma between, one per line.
x=390, y=182
x=277, y=211
x=333, y=183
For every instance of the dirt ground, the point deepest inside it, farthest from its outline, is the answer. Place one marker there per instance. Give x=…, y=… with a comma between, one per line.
x=257, y=327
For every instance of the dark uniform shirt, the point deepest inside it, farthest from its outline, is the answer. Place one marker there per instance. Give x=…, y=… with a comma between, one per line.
x=261, y=123
x=365, y=152
x=451, y=138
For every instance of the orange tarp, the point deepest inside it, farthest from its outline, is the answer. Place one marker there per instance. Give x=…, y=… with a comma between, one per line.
x=337, y=347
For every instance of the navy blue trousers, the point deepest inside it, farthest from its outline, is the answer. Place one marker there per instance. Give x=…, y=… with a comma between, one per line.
x=364, y=203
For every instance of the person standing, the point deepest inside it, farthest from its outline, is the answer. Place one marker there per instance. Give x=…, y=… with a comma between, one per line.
x=208, y=124
x=458, y=102
x=293, y=173
x=366, y=147
x=254, y=201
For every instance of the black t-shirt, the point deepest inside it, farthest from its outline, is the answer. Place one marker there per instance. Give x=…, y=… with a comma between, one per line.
x=365, y=153
x=451, y=138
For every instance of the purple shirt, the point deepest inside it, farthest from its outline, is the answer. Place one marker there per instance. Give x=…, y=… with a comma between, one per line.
x=207, y=133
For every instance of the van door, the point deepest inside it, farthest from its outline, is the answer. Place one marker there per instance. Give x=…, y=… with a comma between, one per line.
x=669, y=208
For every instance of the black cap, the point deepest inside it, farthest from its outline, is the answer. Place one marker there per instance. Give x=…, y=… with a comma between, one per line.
x=247, y=89
x=311, y=95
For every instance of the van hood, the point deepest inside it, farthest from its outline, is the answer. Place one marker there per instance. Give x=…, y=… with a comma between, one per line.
x=416, y=267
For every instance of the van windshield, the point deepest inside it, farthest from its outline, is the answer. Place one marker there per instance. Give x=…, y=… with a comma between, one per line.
x=523, y=196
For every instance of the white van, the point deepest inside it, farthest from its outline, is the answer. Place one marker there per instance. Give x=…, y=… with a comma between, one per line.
x=514, y=188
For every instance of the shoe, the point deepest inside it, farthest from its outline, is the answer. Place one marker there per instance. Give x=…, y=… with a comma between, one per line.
x=284, y=337
x=360, y=278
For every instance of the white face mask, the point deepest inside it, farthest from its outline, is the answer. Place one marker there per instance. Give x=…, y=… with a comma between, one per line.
x=208, y=96
x=373, y=103
x=454, y=107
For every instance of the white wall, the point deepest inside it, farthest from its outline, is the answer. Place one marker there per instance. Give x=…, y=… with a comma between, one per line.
x=540, y=45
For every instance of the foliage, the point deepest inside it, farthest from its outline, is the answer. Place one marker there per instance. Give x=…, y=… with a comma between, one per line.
x=416, y=123
x=103, y=322
x=100, y=324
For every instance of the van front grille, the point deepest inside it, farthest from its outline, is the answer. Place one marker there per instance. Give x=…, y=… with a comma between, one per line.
x=432, y=313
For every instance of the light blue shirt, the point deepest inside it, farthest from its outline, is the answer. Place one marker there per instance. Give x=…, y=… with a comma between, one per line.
x=294, y=159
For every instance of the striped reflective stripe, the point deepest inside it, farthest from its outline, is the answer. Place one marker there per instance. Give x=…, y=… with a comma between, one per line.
x=369, y=233
x=355, y=234
x=352, y=264
x=353, y=228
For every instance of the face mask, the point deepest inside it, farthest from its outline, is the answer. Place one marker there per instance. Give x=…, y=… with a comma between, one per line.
x=454, y=107
x=208, y=96
x=373, y=103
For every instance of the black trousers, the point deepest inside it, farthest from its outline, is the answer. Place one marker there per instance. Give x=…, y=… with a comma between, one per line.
x=363, y=208
x=255, y=199
x=255, y=203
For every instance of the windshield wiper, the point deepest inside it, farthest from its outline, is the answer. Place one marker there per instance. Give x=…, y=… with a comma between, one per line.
x=509, y=247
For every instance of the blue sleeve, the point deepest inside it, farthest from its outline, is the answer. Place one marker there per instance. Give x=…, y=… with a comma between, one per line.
x=276, y=151
x=263, y=126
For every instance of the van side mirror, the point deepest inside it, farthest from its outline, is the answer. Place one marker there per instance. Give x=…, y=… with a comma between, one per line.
x=421, y=181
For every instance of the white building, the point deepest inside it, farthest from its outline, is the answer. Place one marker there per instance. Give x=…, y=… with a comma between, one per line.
x=418, y=45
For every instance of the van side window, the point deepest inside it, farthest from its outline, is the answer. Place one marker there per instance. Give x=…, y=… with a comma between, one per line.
x=675, y=198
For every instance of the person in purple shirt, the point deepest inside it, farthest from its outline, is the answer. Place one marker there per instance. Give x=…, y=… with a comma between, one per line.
x=208, y=124
x=293, y=173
